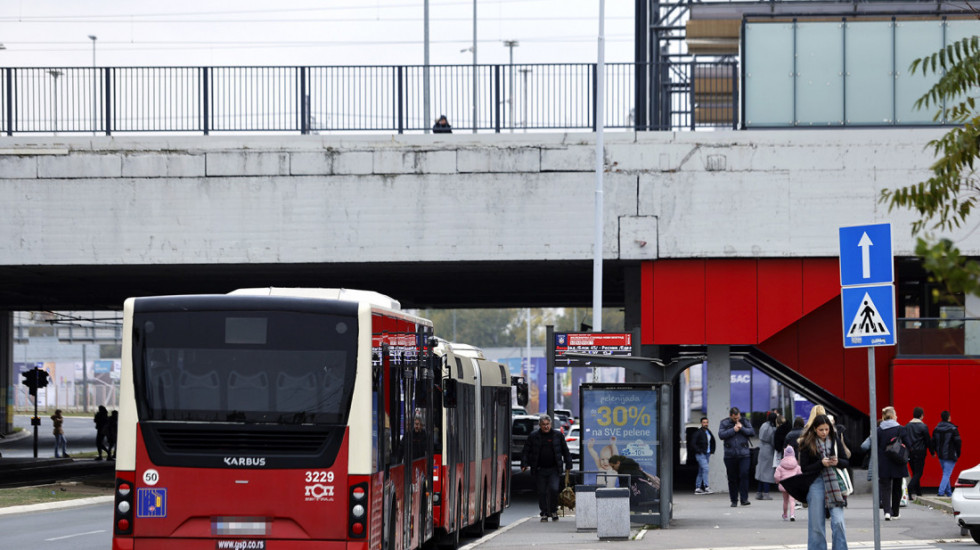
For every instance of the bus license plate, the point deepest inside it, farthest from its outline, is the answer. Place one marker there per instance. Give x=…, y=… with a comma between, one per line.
x=240, y=545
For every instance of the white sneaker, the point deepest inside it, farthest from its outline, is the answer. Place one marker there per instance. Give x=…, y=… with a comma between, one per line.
x=699, y=491
x=888, y=517
x=708, y=491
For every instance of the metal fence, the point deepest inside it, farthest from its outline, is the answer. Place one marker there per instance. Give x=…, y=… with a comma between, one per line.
x=110, y=100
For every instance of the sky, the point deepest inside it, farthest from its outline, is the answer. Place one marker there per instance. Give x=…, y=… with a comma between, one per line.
x=55, y=33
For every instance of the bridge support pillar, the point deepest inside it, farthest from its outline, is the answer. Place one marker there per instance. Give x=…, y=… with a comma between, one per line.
x=718, y=383
x=7, y=375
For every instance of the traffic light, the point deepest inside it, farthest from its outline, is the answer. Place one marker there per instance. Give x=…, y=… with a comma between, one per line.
x=42, y=378
x=522, y=397
x=30, y=380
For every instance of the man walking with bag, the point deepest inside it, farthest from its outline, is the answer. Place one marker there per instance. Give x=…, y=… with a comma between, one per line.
x=546, y=453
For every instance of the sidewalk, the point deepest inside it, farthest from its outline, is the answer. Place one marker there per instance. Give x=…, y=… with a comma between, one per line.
x=708, y=521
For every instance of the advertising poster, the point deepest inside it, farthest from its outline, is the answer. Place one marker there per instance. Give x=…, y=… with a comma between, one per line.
x=620, y=424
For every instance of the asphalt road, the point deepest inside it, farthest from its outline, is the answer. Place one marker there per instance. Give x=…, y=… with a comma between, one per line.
x=79, y=430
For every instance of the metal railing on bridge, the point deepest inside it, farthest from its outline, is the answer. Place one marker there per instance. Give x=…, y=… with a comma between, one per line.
x=489, y=98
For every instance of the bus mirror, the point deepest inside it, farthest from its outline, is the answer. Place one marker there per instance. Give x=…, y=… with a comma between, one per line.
x=522, y=398
x=449, y=393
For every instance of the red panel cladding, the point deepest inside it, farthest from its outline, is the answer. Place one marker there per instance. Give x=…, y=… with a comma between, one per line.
x=821, y=282
x=731, y=302
x=964, y=379
x=822, y=348
x=784, y=347
x=780, y=295
x=921, y=383
x=678, y=302
x=856, y=378
x=646, y=303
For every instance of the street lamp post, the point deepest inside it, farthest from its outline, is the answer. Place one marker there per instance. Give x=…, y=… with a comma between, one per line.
x=510, y=98
x=95, y=87
x=55, y=73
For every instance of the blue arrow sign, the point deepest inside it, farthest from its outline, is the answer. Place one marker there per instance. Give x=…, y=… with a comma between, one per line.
x=866, y=255
x=869, y=315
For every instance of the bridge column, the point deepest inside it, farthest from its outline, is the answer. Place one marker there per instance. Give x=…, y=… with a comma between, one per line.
x=718, y=386
x=7, y=374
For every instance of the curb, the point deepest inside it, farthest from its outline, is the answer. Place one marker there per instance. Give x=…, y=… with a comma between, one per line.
x=74, y=503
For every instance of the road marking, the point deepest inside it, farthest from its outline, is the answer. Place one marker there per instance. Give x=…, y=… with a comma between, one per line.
x=501, y=531
x=76, y=535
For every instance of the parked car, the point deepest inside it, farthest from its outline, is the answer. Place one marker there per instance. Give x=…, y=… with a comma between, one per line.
x=567, y=414
x=966, y=501
x=572, y=439
x=521, y=427
x=518, y=410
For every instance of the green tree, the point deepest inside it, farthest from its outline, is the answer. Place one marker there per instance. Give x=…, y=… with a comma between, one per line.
x=946, y=200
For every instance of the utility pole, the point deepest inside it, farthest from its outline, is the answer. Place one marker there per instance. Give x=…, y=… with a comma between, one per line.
x=524, y=72
x=476, y=78
x=425, y=74
x=55, y=73
x=510, y=98
x=95, y=86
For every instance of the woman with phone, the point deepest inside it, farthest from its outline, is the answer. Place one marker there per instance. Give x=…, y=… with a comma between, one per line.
x=819, y=457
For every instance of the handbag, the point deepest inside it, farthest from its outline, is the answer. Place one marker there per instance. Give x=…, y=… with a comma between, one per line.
x=897, y=452
x=844, y=479
x=567, y=495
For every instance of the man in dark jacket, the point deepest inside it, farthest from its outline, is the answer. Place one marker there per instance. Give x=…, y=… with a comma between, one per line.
x=920, y=441
x=546, y=453
x=793, y=436
x=946, y=442
x=735, y=432
x=704, y=446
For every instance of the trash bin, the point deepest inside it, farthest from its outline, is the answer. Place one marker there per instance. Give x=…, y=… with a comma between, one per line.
x=585, y=512
x=612, y=513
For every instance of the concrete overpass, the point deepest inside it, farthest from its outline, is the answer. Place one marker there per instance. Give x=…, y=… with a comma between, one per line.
x=476, y=220
x=443, y=221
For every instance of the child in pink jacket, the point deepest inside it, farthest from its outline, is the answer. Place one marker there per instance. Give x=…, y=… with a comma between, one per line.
x=788, y=467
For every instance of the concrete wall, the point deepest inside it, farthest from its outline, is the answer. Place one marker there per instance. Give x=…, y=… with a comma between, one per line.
x=273, y=199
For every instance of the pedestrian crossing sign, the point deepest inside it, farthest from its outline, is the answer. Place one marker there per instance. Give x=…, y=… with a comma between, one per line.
x=869, y=316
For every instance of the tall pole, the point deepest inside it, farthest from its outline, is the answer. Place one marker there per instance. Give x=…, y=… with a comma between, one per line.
x=873, y=463
x=425, y=75
x=55, y=73
x=524, y=73
x=599, y=166
x=476, y=94
x=510, y=98
x=95, y=89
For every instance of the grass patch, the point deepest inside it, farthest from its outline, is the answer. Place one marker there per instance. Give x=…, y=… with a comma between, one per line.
x=17, y=496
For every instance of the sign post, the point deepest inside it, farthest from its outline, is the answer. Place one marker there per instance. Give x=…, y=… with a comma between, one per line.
x=867, y=280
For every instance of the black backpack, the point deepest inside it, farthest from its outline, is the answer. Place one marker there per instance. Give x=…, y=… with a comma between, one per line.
x=896, y=451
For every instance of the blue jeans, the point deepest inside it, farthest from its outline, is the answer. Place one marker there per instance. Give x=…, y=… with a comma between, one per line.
x=547, y=485
x=944, y=488
x=60, y=444
x=737, y=469
x=816, y=538
x=702, y=479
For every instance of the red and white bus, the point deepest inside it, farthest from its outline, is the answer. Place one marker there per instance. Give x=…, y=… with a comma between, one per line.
x=301, y=418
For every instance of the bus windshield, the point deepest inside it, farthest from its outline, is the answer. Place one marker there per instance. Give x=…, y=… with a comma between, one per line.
x=280, y=367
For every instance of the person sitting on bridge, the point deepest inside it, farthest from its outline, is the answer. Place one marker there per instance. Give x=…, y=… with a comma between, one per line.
x=442, y=126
